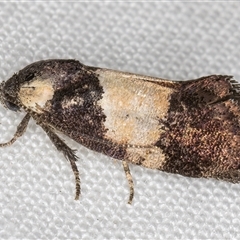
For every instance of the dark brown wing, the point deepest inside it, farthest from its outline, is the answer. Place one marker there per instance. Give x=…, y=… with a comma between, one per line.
x=202, y=138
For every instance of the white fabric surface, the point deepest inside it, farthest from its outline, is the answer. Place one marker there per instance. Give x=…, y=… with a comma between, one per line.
x=170, y=40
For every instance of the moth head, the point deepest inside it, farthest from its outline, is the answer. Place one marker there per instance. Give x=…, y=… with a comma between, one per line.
x=30, y=89
x=33, y=87
x=8, y=94
x=27, y=89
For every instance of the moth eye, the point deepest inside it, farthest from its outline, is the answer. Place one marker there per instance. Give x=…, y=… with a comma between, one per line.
x=29, y=77
x=12, y=106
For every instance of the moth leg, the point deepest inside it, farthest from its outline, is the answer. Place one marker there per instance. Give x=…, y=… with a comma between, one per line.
x=130, y=180
x=20, y=131
x=68, y=153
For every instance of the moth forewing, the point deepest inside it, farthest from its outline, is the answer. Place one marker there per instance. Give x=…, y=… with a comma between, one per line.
x=187, y=127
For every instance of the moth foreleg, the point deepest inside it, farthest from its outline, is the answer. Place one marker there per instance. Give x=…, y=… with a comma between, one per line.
x=68, y=153
x=130, y=180
x=20, y=131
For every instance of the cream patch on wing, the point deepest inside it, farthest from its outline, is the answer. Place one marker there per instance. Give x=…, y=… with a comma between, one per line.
x=35, y=94
x=69, y=102
x=133, y=107
x=150, y=157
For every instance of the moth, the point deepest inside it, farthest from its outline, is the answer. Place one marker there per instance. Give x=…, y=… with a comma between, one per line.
x=188, y=127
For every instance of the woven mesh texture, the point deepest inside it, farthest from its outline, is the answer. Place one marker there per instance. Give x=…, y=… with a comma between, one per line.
x=171, y=40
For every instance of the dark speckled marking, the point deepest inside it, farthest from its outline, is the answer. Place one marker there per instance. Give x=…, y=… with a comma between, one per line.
x=202, y=137
x=77, y=92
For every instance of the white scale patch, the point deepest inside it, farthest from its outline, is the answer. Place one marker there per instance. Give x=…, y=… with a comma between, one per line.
x=72, y=101
x=35, y=94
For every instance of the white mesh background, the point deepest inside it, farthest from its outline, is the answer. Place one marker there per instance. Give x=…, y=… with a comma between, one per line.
x=170, y=40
